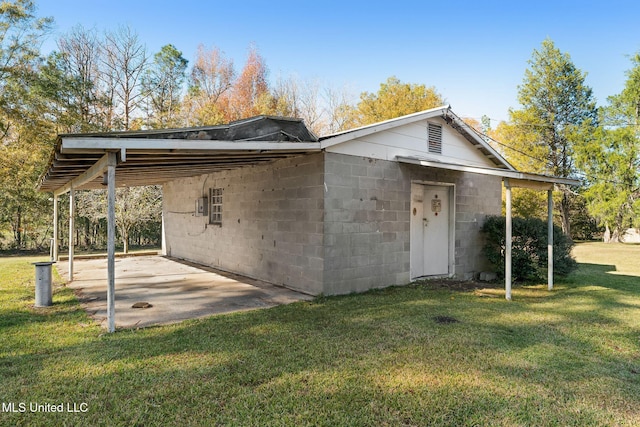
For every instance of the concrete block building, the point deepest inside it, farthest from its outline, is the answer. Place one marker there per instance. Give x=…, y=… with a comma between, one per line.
x=367, y=208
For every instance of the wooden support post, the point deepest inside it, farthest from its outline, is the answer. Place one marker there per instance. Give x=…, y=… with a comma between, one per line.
x=111, y=242
x=550, y=239
x=507, y=255
x=54, y=241
x=71, y=232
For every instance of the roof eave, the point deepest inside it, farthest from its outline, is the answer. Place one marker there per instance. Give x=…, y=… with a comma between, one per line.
x=475, y=138
x=503, y=173
x=348, y=135
x=79, y=144
x=211, y=155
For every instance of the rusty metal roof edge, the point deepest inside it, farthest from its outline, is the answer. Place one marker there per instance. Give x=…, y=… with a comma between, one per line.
x=167, y=131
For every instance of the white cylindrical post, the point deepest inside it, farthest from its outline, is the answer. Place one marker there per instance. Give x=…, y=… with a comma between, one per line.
x=111, y=242
x=54, y=242
x=163, y=235
x=507, y=242
x=550, y=239
x=71, y=233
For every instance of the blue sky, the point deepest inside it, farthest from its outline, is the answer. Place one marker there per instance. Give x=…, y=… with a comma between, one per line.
x=474, y=53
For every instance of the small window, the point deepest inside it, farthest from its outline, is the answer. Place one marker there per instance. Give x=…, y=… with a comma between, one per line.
x=215, y=206
x=435, y=138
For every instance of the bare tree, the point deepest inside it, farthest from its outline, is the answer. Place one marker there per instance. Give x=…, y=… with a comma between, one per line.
x=293, y=97
x=80, y=57
x=339, y=109
x=134, y=206
x=124, y=61
x=324, y=111
x=310, y=104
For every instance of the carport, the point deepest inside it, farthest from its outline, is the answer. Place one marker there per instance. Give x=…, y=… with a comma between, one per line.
x=90, y=161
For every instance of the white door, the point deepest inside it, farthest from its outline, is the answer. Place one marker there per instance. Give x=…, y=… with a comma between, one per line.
x=430, y=234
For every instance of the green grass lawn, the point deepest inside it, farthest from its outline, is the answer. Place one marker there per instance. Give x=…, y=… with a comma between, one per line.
x=560, y=358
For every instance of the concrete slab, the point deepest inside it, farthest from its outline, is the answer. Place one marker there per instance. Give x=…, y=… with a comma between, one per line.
x=177, y=290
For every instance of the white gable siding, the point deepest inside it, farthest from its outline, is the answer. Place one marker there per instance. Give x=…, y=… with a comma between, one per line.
x=411, y=140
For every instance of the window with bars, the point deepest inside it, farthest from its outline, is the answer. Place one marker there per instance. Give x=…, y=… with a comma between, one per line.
x=215, y=206
x=435, y=138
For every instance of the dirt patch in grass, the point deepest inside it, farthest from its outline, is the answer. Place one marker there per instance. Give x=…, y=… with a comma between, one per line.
x=445, y=319
x=458, y=285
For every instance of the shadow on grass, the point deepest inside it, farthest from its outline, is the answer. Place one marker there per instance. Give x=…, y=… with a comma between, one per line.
x=311, y=360
x=375, y=358
x=605, y=276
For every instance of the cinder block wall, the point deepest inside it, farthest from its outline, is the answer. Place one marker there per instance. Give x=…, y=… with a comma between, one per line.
x=367, y=221
x=272, y=222
x=366, y=224
x=323, y=223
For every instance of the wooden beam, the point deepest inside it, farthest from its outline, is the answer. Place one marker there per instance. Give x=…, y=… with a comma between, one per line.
x=92, y=173
x=533, y=185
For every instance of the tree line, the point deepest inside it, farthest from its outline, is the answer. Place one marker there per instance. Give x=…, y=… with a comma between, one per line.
x=560, y=130
x=108, y=81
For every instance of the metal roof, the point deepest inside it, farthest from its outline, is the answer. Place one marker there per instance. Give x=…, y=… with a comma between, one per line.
x=258, y=128
x=156, y=156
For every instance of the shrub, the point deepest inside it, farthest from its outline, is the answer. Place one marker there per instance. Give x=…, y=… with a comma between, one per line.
x=528, y=248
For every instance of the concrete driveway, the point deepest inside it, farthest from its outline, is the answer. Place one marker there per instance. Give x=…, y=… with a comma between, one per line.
x=175, y=289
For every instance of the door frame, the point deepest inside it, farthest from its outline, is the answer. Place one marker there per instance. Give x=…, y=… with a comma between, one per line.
x=452, y=225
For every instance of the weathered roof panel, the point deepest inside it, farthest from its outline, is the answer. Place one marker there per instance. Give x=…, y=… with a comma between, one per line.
x=259, y=128
x=156, y=156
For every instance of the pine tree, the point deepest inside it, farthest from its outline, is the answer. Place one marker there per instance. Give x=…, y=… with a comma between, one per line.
x=612, y=161
x=558, y=115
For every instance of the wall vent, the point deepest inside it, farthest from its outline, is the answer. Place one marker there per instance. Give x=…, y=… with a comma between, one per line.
x=435, y=138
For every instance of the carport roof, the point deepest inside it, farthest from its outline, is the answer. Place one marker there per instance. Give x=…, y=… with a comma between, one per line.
x=151, y=157
x=156, y=156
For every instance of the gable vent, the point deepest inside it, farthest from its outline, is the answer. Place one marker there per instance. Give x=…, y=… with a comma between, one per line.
x=435, y=138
